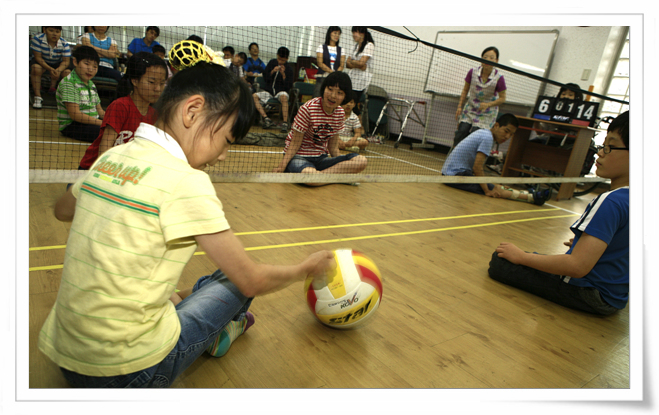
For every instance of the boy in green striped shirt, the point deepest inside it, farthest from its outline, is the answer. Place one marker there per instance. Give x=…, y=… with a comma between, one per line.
x=79, y=110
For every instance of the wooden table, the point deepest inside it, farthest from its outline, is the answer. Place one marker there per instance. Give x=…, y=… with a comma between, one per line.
x=567, y=162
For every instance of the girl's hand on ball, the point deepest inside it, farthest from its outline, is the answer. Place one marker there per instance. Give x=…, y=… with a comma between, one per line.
x=320, y=264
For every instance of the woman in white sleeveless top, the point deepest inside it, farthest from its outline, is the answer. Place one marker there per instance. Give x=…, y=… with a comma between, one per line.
x=360, y=62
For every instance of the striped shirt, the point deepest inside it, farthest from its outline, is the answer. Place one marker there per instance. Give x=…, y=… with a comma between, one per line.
x=52, y=55
x=138, y=210
x=351, y=124
x=318, y=127
x=72, y=89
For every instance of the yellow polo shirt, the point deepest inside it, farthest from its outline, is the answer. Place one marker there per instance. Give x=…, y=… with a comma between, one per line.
x=137, y=212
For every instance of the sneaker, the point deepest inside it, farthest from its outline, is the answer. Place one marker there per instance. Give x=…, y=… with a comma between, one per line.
x=267, y=123
x=541, y=196
x=52, y=91
x=284, y=128
x=37, y=102
x=229, y=334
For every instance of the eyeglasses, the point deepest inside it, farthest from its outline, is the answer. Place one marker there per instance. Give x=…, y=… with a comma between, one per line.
x=607, y=149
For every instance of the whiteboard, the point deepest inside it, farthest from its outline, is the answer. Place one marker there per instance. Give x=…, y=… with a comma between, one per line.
x=529, y=51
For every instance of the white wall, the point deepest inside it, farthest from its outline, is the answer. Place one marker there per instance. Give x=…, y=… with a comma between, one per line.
x=577, y=49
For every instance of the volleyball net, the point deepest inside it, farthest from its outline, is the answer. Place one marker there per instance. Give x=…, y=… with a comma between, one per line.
x=408, y=111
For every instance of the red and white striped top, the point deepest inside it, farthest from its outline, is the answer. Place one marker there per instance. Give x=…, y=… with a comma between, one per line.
x=318, y=127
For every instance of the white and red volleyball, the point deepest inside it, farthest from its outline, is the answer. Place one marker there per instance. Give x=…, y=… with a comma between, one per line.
x=352, y=294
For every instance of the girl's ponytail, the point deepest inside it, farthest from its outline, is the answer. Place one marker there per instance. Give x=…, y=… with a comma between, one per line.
x=125, y=87
x=367, y=37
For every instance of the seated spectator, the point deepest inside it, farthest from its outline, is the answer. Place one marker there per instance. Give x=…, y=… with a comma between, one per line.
x=351, y=134
x=79, y=110
x=140, y=87
x=51, y=54
x=159, y=51
x=106, y=48
x=254, y=66
x=228, y=51
x=236, y=65
x=315, y=134
x=145, y=44
x=279, y=78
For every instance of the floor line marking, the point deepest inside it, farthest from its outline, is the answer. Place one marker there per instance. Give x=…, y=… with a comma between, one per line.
x=415, y=152
x=475, y=215
x=403, y=161
x=349, y=225
x=60, y=142
x=556, y=207
x=356, y=238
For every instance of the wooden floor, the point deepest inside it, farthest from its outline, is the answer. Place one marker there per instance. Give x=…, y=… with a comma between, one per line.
x=443, y=323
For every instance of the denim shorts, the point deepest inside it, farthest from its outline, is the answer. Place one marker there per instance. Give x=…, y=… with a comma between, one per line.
x=299, y=163
x=213, y=304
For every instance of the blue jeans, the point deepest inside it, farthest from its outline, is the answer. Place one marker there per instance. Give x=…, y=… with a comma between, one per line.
x=299, y=163
x=549, y=286
x=213, y=304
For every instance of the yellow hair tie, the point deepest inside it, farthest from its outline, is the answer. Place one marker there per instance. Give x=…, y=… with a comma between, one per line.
x=187, y=53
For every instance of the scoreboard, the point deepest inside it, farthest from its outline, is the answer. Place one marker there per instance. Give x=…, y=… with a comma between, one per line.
x=566, y=110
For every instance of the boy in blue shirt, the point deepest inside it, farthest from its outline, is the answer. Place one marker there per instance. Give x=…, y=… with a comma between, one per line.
x=145, y=44
x=254, y=66
x=469, y=156
x=593, y=275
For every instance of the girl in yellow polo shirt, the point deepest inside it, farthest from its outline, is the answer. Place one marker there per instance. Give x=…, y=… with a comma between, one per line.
x=138, y=216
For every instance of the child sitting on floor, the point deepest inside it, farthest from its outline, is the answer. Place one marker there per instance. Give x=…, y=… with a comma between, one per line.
x=351, y=134
x=469, y=156
x=593, y=275
x=79, y=110
x=315, y=134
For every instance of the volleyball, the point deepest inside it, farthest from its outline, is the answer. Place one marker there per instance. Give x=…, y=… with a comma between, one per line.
x=352, y=293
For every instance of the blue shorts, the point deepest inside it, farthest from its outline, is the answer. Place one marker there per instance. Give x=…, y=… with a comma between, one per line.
x=299, y=163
